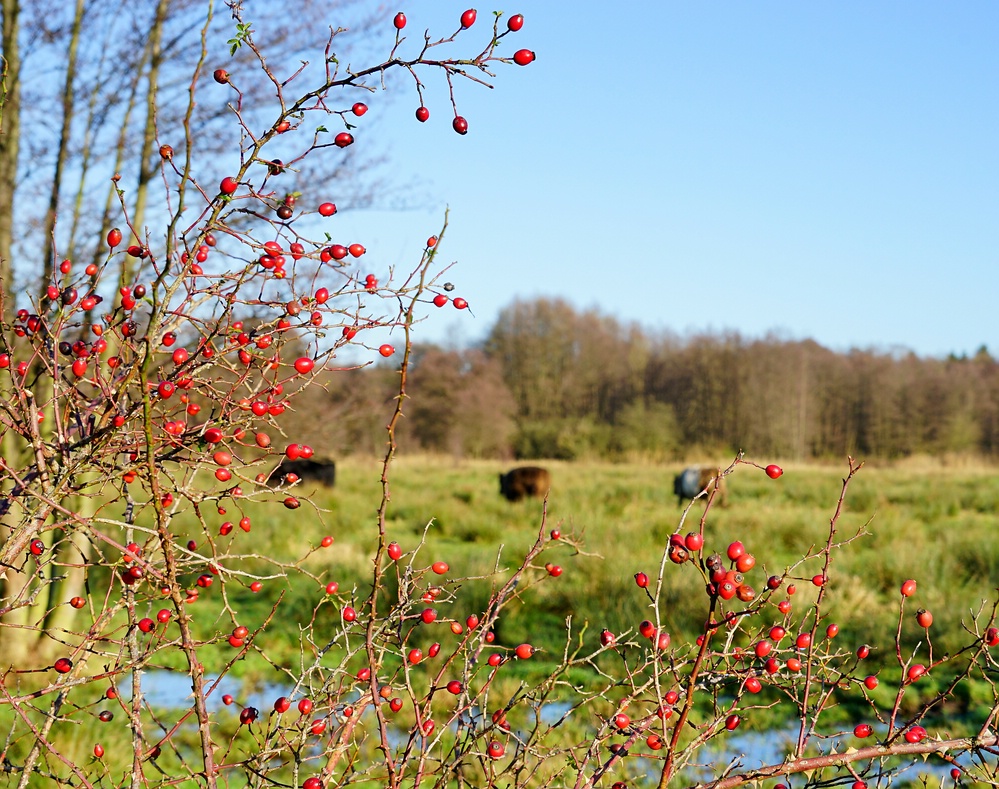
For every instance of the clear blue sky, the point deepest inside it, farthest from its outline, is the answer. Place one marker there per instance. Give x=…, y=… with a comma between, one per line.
x=826, y=171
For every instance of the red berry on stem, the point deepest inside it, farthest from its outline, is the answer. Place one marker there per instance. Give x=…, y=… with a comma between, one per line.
x=386, y=350
x=327, y=209
x=468, y=18
x=63, y=665
x=460, y=125
x=399, y=21
x=343, y=139
x=228, y=185
x=523, y=56
x=916, y=670
x=221, y=76
x=908, y=588
x=524, y=651
x=248, y=715
x=114, y=237
x=515, y=23
x=642, y=580
x=774, y=471
x=693, y=541
x=359, y=109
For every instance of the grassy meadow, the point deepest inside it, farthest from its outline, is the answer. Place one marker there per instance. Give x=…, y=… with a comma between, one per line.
x=928, y=521
x=934, y=523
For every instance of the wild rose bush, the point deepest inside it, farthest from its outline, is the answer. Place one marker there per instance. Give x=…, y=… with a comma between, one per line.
x=143, y=399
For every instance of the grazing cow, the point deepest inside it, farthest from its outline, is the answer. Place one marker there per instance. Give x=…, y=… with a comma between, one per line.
x=693, y=479
x=312, y=470
x=525, y=481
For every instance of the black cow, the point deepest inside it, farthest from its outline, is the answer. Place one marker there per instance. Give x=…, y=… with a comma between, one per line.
x=693, y=479
x=524, y=481
x=311, y=470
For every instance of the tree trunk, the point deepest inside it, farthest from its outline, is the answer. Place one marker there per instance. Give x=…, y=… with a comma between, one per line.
x=62, y=153
x=10, y=131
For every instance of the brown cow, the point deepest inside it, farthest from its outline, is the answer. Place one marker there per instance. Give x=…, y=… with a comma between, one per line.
x=311, y=469
x=525, y=481
x=693, y=479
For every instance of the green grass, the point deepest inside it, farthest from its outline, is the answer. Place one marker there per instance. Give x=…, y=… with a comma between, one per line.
x=934, y=524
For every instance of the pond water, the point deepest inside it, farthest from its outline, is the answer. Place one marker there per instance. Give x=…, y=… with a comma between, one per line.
x=172, y=689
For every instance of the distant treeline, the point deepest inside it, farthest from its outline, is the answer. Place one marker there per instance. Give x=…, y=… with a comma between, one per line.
x=554, y=382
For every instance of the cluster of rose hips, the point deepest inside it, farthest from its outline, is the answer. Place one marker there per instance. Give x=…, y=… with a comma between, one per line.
x=728, y=583
x=521, y=57
x=339, y=711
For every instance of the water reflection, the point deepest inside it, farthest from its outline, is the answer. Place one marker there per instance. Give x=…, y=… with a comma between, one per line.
x=165, y=689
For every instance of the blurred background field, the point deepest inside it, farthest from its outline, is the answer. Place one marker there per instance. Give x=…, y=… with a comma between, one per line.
x=925, y=521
